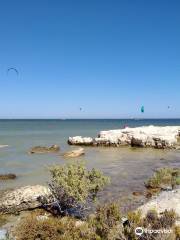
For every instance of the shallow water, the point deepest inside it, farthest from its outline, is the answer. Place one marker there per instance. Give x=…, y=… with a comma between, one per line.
x=127, y=167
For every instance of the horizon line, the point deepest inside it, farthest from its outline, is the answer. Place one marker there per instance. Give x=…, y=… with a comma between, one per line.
x=64, y=119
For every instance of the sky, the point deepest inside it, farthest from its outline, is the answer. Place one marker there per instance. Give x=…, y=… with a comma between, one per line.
x=108, y=57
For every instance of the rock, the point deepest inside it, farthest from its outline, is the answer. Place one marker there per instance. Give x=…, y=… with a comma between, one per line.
x=147, y=136
x=137, y=194
x=166, y=200
x=137, y=142
x=148, y=194
x=79, y=223
x=42, y=217
x=125, y=221
x=75, y=153
x=7, y=176
x=165, y=187
x=78, y=140
x=41, y=149
x=23, y=198
x=2, y=146
x=3, y=234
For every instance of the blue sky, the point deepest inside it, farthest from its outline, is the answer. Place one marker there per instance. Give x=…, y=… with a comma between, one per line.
x=107, y=56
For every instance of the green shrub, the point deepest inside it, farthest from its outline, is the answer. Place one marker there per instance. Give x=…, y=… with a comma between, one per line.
x=73, y=186
x=165, y=176
x=107, y=222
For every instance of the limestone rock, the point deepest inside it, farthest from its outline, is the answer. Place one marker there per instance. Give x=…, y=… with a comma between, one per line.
x=78, y=140
x=42, y=149
x=23, y=198
x=75, y=153
x=147, y=136
x=166, y=200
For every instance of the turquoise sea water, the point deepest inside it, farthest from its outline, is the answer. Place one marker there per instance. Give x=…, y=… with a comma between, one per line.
x=127, y=167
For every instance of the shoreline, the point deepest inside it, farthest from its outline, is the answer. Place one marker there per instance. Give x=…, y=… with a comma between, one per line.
x=127, y=166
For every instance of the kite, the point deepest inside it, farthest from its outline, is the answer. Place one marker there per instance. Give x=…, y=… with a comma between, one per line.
x=142, y=109
x=13, y=69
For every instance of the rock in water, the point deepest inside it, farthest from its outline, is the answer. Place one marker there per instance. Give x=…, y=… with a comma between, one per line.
x=2, y=146
x=147, y=136
x=78, y=140
x=8, y=176
x=42, y=149
x=166, y=200
x=75, y=153
x=23, y=198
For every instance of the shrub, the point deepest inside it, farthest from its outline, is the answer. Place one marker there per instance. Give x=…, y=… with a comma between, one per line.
x=3, y=219
x=177, y=232
x=107, y=222
x=135, y=220
x=164, y=176
x=53, y=229
x=73, y=186
x=151, y=221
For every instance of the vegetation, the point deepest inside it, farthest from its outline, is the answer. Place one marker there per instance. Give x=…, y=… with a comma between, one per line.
x=153, y=222
x=177, y=232
x=53, y=228
x=3, y=219
x=164, y=177
x=105, y=224
x=73, y=187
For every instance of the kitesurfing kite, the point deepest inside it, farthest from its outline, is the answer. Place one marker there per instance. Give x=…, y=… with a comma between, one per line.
x=142, y=109
x=12, y=69
x=80, y=109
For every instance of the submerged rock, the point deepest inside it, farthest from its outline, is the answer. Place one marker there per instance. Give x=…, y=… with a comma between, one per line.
x=147, y=136
x=8, y=176
x=42, y=149
x=137, y=193
x=23, y=198
x=75, y=153
x=166, y=200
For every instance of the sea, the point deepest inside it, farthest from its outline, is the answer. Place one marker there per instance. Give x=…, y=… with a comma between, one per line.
x=127, y=167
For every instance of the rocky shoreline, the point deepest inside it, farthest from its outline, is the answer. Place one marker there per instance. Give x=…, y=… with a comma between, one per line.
x=20, y=203
x=29, y=198
x=162, y=189
x=147, y=136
